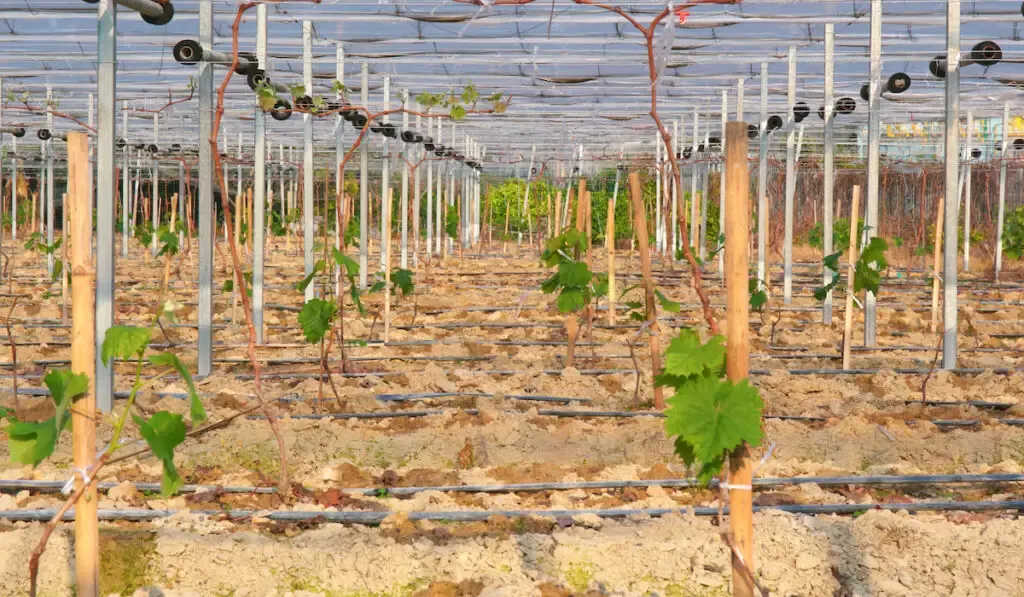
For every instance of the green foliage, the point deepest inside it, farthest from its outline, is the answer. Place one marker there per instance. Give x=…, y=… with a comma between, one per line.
x=867, y=273
x=401, y=281
x=709, y=417
x=451, y=223
x=125, y=342
x=318, y=267
x=297, y=91
x=350, y=269
x=573, y=281
x=872, y=261
x=315, y=318
x=162, y=433
x=37, y=242
x=666, y=304
x=507, y=197
x=32, y=442
x=840, y=234
x=168, y=241
x=266, y=96
x=457, y=112
x=197, y=413
x=758, y=294
x=1013, y=233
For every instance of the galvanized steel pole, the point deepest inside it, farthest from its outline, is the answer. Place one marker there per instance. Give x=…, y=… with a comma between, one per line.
x=106, y=184
x=257, y=227
x=952, y=147
x=874, y=130
x=204, y=212
x=829, y=165
x=787, y=246
x=307, y=158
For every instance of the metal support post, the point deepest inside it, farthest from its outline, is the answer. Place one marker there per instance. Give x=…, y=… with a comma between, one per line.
x=204, y=212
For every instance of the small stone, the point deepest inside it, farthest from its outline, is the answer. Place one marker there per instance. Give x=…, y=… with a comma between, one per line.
x=589, y=520
x=806, y=561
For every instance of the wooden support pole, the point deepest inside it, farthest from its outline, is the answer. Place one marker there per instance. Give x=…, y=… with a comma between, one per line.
x=165, y=282
x=639, y=218
x=852, y=258
x=737, y=274
x=238, y=235
x=937, y=264
x=609, y=242
x=557, y=228
x=64, y=260
x=83, y=360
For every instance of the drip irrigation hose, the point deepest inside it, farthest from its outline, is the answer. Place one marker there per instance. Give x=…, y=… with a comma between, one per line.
x=16, y=485
x=375, y=518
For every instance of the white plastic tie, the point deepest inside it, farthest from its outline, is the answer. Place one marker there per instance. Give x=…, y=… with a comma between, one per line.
x=69, y=485
x=731, y=487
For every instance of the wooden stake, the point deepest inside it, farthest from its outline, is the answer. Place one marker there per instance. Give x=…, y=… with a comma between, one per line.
x=737, y=274
x=609, y=242
x=83, y=360
x=386, y=248
x=936, y=264
x=852, y=258
x=696, y=240
x=238, y=235
x=588, y=224
x=639, y=218
x=557, y=228
x=167, y=256
x=572, y=330
x=64, y=260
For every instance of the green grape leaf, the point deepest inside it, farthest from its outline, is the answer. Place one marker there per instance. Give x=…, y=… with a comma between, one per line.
x=574, y=274
x=551, y=284
x=832, y=261
x=714, y=416
x=124, y=342
x=758, y=300
x=666, y=304
x=601, y=285
x=470, y=95
x=163, y=432
x=31, y=442
x=343, y=260
x=305, y=282
x=686, y=356
x=169, y=242
x=457, y=112
x=377, y=286
x=571, y=300
x=353, y=291
x=315, y=319
x=228, y=285
x=402, y=280
x=166, y=359
x=821, y=292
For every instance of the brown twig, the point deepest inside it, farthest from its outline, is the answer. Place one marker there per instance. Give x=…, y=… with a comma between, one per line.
x=268, y=409
x=14, y=355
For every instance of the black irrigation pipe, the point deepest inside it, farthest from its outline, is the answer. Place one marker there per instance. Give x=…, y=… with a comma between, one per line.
x=431, y=395
x=375, y=518
x=622, y=414
x=16, y=485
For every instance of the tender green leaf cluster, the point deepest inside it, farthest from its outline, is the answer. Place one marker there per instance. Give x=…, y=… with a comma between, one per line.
x=574, y=282
x=867, y=271
x=708, y=416
x=31, y=442
x=758, y=294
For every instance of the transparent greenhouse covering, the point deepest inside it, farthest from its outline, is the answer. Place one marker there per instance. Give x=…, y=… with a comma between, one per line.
x=577, y=75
